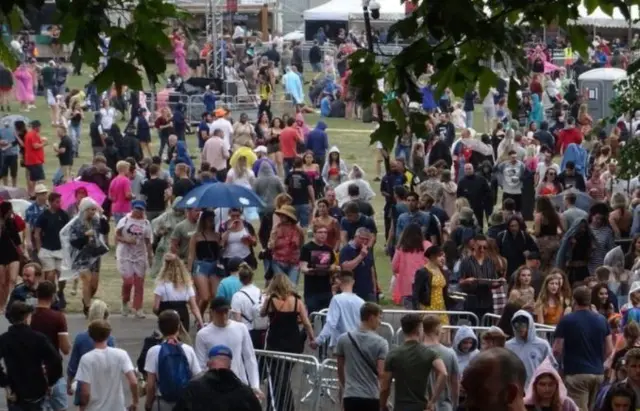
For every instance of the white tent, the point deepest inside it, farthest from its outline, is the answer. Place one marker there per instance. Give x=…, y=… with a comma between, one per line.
x=345, y=10
x=600, y=19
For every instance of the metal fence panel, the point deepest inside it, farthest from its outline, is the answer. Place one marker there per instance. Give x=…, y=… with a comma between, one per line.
x=289, y=381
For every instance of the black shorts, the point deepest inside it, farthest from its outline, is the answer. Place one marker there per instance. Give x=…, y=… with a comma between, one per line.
x=9, y=165
x=193, y=64
x=361, y=404
x=36, y=173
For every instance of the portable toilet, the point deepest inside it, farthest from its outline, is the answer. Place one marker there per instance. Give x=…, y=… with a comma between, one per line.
x=597, y=87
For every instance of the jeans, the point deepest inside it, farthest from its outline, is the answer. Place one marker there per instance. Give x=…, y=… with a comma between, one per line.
x=164, y=142
x=469, y=119
x=58, y=177
x=287, y=164
x=403, y=151
x=303, y=212
x=74, y=133
x=316, y=67
x=290, y=271
x=57, y=398
x=317, y=301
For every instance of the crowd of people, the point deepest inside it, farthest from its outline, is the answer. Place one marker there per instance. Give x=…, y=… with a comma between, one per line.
x=559, y=252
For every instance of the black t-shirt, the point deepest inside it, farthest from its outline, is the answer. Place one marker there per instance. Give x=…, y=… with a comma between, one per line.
x=298, y=187
x=66, y=158
x=94, y=134
x=182, y=186
x=154, y=189
x=50, y=225
x=319, y=258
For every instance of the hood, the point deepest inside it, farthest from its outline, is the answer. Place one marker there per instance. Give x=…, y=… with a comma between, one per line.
x=265, y=170
x=615, y=258
x=334, y=149
x=463, y=333
x=545, y=368
x=321, y=125
x=531, y=335
x=535, y=99
x=450, y=187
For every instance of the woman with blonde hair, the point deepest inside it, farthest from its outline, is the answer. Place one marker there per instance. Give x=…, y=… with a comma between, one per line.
x=82, y=344
x=174, y=291
x=584, y=120
x=551, y=304
x=285, y=309
x=460, y=203
x=242, y=175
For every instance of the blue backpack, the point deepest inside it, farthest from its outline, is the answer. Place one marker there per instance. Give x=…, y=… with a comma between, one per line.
x=174, y=372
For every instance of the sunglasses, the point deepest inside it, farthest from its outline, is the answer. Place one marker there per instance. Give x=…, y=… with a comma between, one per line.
x=481, y=247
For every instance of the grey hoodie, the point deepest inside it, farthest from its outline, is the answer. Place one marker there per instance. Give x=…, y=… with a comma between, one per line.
x=267, y=185
x=534, y=350
x=463, y=333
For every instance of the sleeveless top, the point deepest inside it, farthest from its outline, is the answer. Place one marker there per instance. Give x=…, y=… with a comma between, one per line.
x=207, y=250
x=284, y=332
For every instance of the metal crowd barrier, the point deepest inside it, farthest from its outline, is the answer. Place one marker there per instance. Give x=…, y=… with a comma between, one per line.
x=289, y=381
x=455, y=317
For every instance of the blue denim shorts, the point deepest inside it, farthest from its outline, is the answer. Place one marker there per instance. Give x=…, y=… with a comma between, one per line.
x=205, y=268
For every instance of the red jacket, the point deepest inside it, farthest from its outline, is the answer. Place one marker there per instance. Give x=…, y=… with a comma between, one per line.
x=566, y=137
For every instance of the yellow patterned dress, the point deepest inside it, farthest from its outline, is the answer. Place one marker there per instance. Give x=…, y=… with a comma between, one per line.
x=438, y=282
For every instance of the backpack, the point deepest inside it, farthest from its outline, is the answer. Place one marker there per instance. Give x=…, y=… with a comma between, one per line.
x=174, y=372
x=259, y=323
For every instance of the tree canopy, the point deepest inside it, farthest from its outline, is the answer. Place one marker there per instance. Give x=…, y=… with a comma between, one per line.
x=457, y=37
x=137, y=31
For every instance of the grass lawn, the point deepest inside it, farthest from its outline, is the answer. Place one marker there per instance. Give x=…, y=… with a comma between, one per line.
x=352, y=137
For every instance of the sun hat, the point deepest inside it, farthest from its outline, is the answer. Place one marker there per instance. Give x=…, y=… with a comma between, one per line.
x=288, y=211
x=41, y=189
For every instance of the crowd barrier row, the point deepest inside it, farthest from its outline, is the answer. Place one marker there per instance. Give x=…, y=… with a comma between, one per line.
x=194, y=104
x=309, y=382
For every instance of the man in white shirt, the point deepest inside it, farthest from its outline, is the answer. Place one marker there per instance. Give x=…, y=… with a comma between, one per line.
x=222, y=123
x=245, y=308
x=235, y=335
x=169, y=326
x=100, y=372
x=343, y=315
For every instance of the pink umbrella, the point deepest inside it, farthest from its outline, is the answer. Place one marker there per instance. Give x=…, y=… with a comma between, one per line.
x=68, y=192
x=550, y=67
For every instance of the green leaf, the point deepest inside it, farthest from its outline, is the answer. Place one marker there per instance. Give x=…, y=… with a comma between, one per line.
x=118, y=73
x=512, y=98
x=16, y=17
x=487, y=79
x=578, y=37
x=633, y=67
x=7, y=57
x=606, y=7
x=386, y=134
x=591, y=5
x=397, y=113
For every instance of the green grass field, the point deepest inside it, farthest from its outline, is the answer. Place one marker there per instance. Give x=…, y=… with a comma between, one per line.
x=352, y=137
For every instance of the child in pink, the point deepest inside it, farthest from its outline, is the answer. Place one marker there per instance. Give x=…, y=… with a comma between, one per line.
x=120, y=192
x=404, y=265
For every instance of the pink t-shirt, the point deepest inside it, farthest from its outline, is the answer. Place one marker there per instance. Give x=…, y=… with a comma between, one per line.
x=120, y=194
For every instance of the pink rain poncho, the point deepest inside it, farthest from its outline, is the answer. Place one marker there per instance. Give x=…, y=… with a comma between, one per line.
x=24, y=84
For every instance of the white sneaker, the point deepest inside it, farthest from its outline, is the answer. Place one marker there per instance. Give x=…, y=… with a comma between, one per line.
x=140, y=314
x=125, y=311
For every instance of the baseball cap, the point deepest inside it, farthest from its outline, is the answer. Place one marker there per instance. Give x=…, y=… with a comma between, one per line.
x=260, y=149
x=219, y=304
x=139, y=204
x=220, y=350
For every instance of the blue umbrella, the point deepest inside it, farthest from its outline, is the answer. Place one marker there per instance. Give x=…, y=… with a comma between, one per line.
x=215, y=195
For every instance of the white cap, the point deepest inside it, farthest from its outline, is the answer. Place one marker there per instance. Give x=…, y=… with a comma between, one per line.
x=260, y=149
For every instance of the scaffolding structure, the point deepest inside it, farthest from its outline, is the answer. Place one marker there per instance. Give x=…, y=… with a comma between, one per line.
x=215, y=26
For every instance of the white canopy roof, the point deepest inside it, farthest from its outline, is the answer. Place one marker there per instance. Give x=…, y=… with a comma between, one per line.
x=345, y=10
x=600, y=19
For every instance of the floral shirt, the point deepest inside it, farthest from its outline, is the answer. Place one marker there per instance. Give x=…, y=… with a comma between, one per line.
x=138, y=229
x=287, y=241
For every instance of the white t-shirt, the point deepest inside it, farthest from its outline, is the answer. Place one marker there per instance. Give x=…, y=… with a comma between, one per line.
x=108, y=117
x=241, y=304
x=226, y=127
x=167, y=292
x=141, y=231
x=151, y=362
x=102, y=369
